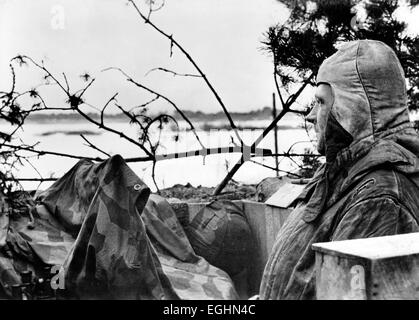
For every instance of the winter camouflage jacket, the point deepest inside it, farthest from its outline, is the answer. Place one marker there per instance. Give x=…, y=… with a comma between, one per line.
x=369, y=185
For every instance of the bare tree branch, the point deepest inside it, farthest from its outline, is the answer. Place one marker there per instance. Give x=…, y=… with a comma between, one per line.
x=151, y=9
x=145, y=104
x=86, y=87
x=291, y=154
x=75, y=100
x=278, y=90
x=53, y=153
x=31, y=179
x=66, y=82
x=119, y=133
x=192, y=61
x=286, y=108
x=102, y=112
x=153, y=175
x=275, y=169
x=89, y=144
x=41, y=67
x=130, y=79
x=134, y=119
x=174, y=73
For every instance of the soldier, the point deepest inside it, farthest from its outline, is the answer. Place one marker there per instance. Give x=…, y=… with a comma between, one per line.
x=369, y=184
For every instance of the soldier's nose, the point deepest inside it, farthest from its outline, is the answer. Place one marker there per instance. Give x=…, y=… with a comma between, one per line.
x=312, y=116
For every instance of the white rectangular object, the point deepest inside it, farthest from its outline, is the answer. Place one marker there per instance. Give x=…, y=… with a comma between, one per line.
x=368, y=269
x=285, y=195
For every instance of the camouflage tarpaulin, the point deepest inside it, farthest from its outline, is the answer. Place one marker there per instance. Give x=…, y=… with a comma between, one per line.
x=90, y=222
x=192, y=276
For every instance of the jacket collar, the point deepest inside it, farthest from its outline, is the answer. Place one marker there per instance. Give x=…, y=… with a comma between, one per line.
x=351, y=164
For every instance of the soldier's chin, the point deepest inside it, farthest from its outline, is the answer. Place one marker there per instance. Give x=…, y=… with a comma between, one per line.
x=321, y=148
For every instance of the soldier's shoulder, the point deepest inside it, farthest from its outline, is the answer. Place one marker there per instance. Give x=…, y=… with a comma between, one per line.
x=381, y=182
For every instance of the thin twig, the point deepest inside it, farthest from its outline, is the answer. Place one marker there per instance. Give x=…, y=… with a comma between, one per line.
x=89, y=144
x=288, y=155
x=153, y=175
x=275, y=169
x=86, y=87
x=130, y=79
x=133, y=119
x=119, y=133
x=102, y=112
x=44, y=69
x=145, y=104
x=31, y=179
x=295, y=143
x=173, y=72
x=53, y=153
x=33, y=167
x=66, y=82
x=298, y=165
x=278, y=90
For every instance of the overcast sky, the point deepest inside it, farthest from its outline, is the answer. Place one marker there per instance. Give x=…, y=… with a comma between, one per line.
x=223, y=36
x=75, y=36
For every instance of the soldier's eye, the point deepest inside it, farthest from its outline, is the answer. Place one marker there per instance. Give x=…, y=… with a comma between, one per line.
x=315, y=102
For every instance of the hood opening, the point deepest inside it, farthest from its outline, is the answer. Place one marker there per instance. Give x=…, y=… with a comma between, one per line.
x=369, y=90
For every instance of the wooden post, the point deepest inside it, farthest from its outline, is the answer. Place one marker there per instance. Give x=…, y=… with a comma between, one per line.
x=378, y=268
x=275, y=134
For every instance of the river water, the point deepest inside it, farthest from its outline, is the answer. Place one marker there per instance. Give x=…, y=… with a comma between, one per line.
x=208, y=171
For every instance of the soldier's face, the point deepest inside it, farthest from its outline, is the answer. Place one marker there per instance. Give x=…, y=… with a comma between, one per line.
x=318, y=115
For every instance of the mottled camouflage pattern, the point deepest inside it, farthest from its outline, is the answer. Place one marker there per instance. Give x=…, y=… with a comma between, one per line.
x=220, y=233
x=90, y=222
x=4, y=220
x=367, y=189
x=191, y=276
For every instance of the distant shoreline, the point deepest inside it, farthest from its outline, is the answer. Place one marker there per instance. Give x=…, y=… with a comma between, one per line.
x=70, y=133
x=193, y=116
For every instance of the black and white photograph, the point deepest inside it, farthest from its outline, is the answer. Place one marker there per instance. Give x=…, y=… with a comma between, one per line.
x=234, y=151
